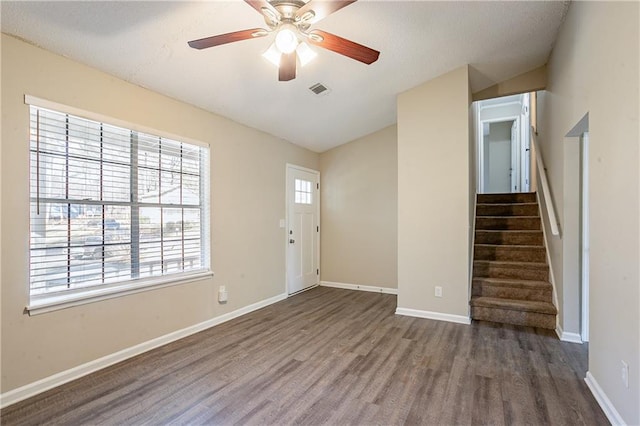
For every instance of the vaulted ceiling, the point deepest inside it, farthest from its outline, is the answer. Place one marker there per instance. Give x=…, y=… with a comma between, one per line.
x=145, y=43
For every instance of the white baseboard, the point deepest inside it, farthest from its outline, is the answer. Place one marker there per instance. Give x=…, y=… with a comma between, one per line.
x=360, y=287
x=609, y=410
x=32, y=389
x=568, y=337
x=439, y=316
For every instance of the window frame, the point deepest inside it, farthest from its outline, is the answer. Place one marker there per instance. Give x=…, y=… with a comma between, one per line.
x=47, y=302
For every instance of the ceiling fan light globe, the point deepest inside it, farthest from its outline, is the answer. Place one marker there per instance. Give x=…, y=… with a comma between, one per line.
x=305, y=54
x=273, y=55
x=286, y=40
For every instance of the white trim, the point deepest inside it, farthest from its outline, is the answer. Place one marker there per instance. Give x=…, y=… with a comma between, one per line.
x=304, y=169
x=439, y=316
x=605, y=403
x=67, y=109
x=374, y=289
x=568, y=337
x=479, y=147
x=311, y=287
x=32, y=389
x=585, y=247
x=62, y=300
x=500, y=105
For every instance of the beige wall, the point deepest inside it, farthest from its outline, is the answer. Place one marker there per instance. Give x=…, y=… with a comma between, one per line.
x=536, y=79
x=594, y=69
x=359, y=191
x=433, y=195
x=248, y=200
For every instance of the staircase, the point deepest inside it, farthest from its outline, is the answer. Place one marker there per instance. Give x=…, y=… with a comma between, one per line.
x=510, y=271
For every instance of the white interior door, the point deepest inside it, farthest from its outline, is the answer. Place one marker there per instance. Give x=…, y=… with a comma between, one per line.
x=498, y=158
x=303, y=228
x=525, y=143
x=515, y=157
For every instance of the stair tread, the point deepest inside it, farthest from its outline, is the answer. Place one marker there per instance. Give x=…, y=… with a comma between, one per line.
x=506, y=197
x=511, y=263
x=538, y=231
x=513, y=282
x=506, y=193
x=509, y=217
x=507, y=204
x=538, y=246
x=514, y=305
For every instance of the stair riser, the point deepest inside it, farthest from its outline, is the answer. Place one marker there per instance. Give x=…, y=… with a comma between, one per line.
x=540, y=295
x=507, y=198
x=507, y=210
x=508, y=223
x=522, y=238
x=493, y=271
x=513, y=254
x=528, y=319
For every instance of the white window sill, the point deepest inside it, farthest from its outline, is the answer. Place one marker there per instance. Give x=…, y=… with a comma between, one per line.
x=54, y=302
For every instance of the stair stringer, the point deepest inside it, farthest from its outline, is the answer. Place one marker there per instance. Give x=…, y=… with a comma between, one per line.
x=472, y=249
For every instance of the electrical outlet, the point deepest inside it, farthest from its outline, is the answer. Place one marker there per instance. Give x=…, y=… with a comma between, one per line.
x=625, y=374
x=222, y=294
x=438, y=291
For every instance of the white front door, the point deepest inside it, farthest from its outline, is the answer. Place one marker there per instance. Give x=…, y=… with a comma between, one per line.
x=303, y=228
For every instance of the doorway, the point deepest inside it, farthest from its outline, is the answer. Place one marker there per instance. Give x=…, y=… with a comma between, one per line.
x=503, y=145
x=303, y=228
x=575, y=257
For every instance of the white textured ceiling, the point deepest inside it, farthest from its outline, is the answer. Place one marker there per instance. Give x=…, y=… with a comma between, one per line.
x=146, y=43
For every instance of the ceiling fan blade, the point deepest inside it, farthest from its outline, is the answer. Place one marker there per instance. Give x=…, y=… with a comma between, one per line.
x=217, y=40
x=322, y=8
x=287, y=69
x=343, y=46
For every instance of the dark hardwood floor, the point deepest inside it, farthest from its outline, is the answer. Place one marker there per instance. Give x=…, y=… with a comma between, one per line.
x=330, y=356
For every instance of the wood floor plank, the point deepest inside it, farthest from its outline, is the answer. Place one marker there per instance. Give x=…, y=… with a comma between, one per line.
x=487, y=408
x=336, y=357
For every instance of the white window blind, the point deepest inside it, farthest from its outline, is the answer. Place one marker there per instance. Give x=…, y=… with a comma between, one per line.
x=111, y=205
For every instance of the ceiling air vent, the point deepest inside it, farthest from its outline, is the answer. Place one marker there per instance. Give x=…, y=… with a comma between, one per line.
x=319, y=89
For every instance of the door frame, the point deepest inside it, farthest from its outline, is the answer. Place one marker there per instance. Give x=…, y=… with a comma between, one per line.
x=584, y=235
x=288, y=168
x=480, y=145
x=581, y=214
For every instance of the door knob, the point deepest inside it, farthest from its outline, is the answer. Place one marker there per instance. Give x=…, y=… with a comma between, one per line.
x=291, y=241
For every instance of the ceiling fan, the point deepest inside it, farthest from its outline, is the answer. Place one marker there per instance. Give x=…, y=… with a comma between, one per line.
x=291, y=20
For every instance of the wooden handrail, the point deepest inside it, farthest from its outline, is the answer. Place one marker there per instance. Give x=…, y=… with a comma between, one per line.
x=544, y=183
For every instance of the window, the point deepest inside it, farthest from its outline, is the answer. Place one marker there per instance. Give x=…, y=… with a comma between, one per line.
x=112, y=208
x=302, y=191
